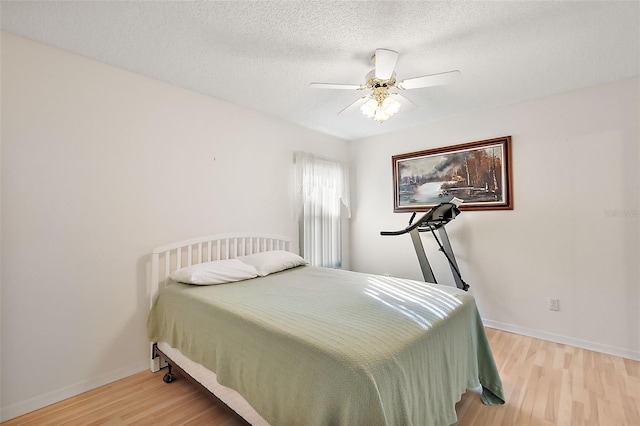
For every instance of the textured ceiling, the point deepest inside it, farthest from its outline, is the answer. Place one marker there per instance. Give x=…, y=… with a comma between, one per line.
x=264, y=54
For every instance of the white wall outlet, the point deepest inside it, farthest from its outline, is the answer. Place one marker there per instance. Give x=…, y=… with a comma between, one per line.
x=554, y=304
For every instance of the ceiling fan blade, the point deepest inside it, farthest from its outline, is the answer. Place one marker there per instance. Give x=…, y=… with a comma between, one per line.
x=355, y=105
x=429, y=80
x=385, y=63
x=336, y=86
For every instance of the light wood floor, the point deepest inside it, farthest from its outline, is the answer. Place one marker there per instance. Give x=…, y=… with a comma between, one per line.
x=545, y=384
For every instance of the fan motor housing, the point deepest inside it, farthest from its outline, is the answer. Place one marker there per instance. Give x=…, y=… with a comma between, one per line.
x=376, y=83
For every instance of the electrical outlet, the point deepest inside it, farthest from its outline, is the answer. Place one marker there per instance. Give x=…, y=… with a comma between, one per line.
x=554, y=304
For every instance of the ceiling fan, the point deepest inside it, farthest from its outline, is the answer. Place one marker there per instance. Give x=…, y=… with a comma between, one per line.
x=381, y=104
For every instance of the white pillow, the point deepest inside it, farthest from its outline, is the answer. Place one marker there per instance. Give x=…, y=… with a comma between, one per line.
x=269, y=262
x=216, y=272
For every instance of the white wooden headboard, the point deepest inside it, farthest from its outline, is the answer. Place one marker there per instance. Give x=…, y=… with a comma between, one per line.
x=171, y=257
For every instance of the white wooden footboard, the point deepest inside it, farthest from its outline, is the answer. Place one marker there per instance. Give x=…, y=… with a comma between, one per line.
x=171, y=257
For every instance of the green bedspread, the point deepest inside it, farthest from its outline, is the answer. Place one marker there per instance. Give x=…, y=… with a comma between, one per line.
x=315, y=346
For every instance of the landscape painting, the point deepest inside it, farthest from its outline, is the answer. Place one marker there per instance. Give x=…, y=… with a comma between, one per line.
x=478, y=173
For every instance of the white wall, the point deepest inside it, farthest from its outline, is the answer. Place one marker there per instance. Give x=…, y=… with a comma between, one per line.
x=99, y=166
x=574, y=232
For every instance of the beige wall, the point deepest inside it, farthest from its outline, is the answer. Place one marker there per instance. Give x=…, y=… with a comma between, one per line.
x=574, y=233
x=99, y=166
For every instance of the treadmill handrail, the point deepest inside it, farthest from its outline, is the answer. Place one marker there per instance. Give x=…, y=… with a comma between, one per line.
x=428, y=220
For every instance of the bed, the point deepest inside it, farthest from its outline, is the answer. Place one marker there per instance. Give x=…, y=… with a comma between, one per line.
x=292, y=344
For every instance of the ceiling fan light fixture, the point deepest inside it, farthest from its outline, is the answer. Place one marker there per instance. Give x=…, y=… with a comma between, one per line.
x=390, y=106
x=369, y=108
x=380, y=106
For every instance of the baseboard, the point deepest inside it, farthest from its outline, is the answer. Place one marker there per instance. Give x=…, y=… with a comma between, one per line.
x=565, y=340
x=40, y=401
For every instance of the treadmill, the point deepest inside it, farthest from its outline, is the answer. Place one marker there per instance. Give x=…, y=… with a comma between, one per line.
x=434, y=220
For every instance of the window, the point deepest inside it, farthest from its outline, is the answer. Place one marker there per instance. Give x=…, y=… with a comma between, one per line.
x=322, y=187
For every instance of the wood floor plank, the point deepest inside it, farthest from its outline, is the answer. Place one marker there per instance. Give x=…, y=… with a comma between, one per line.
x=545, y=384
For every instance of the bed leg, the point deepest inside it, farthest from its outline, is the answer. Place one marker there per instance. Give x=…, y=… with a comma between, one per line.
x=168, y=378
x=157, y=361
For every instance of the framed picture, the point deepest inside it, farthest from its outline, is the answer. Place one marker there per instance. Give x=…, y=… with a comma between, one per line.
x=478, y=173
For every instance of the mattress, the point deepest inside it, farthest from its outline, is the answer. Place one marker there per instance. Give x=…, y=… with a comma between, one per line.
x=317, y=346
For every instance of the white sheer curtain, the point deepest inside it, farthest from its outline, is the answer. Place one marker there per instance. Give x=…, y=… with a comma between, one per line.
x=322, y=186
